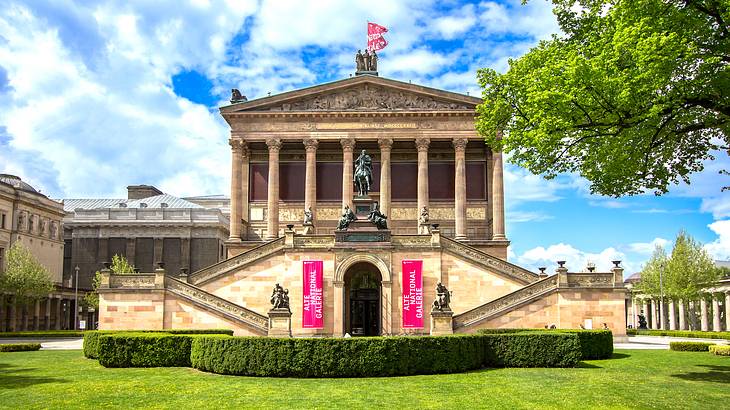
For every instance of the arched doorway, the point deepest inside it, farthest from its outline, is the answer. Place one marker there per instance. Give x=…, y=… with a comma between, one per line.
x=362, y=300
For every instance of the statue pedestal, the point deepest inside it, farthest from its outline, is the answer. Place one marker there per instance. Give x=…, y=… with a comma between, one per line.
x=362, y=205
x=442, y=322
x=308, y=229
x=279, y=323
x=423, y=229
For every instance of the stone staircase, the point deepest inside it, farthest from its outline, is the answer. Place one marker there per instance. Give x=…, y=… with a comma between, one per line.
x=214, y=272
x=507, y=303
x=218, y=306
x=488, y=261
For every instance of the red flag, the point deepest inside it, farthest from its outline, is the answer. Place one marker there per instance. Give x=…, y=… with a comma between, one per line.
x=375, y=37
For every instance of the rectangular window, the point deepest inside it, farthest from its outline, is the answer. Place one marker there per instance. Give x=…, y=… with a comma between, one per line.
x=2, y=221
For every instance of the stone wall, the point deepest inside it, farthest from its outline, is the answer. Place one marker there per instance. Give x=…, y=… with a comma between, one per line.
x=140, y=309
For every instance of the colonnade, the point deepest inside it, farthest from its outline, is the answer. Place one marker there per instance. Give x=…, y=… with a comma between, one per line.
x=709, y=313
x=52, y=313
x=239, y=183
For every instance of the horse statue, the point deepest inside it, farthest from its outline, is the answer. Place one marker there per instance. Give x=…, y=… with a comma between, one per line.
x=363, y=176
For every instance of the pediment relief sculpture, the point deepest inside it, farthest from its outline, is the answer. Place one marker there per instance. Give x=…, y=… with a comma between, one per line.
x=367, y=98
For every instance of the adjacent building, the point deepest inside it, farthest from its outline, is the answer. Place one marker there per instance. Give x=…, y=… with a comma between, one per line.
x=147, y=227
x=32, y=219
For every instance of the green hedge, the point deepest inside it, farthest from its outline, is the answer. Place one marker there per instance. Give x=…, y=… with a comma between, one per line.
x=679, y=333
x=690, y=346
x=594, y=344
x=19, y=347
x=42, y=333
x=91, y=338
x=720, y=350
x=381, y=356
x=144, y=350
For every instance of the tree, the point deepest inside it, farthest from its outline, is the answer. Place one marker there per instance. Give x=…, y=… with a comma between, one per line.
x=633, y=97
x=119, y=265
x=24, y=277
x=684, y=274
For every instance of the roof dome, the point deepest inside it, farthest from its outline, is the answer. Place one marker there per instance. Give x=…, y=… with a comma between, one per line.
x=17, y=183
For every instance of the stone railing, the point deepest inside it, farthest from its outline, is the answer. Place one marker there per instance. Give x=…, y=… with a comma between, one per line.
x=507, y=302
x=413, y=241
x=481, y=258
x=129, y=281
x=589, y=280
x=214, y=271
x=218, y=305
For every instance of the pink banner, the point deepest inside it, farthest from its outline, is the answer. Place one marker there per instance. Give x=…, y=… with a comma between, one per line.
x=412, y=283
x=312, y=316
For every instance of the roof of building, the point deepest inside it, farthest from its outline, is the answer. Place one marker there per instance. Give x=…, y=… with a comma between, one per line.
x=216, y=197
x=157, y=201
x=17, y=183
x=722, y=264
x=633, y=278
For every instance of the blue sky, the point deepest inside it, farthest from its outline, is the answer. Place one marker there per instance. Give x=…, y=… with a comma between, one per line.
x=95, y=96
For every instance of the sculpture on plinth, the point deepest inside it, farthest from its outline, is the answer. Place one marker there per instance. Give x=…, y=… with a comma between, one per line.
x=237, y=97
x=308, y=221
x=642, y=322
x=443, y=298
x=280, y=298
x=377, y=218
x=363, y=176
x=347, y=217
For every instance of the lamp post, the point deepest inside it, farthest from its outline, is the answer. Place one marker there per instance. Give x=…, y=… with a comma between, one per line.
x=76, y=298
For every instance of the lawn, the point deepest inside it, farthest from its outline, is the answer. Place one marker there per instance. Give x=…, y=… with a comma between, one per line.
x=632, y=379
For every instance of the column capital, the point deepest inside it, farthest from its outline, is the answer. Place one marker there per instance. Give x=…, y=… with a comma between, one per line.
x=422, y=144
x=237, y=145
x=348, y=144
x=310, y=144
x=460, y=143
x=385, y=144
x=274, y=144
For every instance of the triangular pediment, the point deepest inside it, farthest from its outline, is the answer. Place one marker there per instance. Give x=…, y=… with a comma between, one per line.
x=362, y=93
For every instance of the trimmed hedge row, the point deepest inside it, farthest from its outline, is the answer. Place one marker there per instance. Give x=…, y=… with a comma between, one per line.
x=690, y=346
x=720, y=350
x=42, y=333
x=91, y=338
x=381, y=356
x=679, y=333
x=594, y=344
x=144, y=350
x=19, y=347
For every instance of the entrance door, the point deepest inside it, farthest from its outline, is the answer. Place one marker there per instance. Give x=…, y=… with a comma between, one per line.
x=362, y=282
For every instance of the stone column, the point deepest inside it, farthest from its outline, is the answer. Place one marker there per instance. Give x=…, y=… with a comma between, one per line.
x=339, y=306
x=131, y=250
x=672, y=316
x=348, y=144
x=654, y=315
x=460, y=187
x=245, y=159
x=716, y=327
x=646, y=312
x=185, y=253
x=59, y=313
x=310, y=177
x=387, y=307
x=236, y=160
x=157, y=250
x=13, y=319
x=272, y=218
x=497, y=196
x=385, y=144
x=682, y=316
x=662, y=315
x=37, y=315
x=48, y=313
x=727, y=311
x=704, y=326
x=422, y=147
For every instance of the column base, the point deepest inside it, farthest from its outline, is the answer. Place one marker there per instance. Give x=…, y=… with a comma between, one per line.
x=460, y=238
x=499, y=237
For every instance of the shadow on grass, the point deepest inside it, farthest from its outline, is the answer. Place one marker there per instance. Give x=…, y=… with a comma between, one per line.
x=620, y=356
x=12, y=379
x=584, y=365
x=716, y=374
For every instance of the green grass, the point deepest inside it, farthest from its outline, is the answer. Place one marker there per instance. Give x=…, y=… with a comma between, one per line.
x=633, y=379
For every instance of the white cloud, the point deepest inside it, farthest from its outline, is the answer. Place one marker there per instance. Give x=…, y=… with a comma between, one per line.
x=720, y=247
x=534, y=18
x=576, y=259
x=526, y=216
x=646, y=248
x=451, y=25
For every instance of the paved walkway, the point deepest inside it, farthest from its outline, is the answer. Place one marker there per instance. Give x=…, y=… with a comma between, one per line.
x=660, y=342
x=48, y=343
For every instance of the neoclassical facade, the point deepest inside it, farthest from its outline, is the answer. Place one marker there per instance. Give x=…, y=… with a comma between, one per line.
x=434, y=178
x=294, y=151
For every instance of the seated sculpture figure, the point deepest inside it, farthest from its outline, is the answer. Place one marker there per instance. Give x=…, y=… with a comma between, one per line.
x=280, y=297
x=377, y=218
x=347, y=217
x=443, y=298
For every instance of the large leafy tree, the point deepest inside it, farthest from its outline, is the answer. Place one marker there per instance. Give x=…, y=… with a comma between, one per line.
x=684, y=273
x=634, y=96
x=24, y=277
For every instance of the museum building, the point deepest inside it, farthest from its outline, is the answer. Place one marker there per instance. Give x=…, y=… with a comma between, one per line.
x=353, y=200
